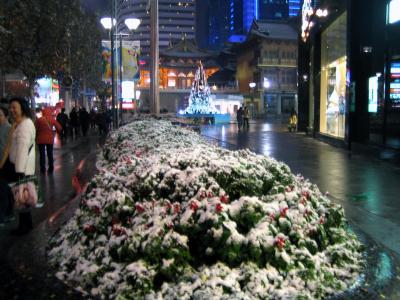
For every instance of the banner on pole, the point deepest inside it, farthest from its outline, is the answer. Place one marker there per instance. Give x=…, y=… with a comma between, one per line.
x=106, y=60
x=130, y=54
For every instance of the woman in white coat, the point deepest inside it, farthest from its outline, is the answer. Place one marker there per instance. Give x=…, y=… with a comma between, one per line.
x=22, y=152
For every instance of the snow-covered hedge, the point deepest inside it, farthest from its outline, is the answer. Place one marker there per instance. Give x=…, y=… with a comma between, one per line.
x=170, y=216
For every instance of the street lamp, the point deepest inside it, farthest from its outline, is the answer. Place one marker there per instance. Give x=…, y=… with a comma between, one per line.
x=109, y=24
x=132, y=23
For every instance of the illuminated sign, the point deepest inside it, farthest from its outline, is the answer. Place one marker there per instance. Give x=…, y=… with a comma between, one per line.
x=373, y=94
x=128, y=90
x=394, y=88
x=128, y=105
x=394, y=11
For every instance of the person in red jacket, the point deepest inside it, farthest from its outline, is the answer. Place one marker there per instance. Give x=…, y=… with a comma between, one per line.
x=45, y=138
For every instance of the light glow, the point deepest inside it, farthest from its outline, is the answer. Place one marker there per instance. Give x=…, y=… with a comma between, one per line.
x=107, y=22
x=132, y=23
x=394, y=11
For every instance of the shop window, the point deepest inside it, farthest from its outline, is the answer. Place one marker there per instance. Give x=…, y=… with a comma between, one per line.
x=333, y=78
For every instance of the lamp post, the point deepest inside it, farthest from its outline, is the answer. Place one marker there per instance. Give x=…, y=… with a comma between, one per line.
x=109, y=23
x=252, y=85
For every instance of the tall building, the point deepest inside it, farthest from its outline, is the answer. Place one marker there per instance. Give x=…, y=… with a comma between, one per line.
x=177, y=19
x=294, y=7
x=218, y=21
x=273, y=9
x=267, y=10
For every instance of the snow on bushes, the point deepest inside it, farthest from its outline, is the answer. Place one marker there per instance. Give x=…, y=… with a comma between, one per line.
x=170, y=216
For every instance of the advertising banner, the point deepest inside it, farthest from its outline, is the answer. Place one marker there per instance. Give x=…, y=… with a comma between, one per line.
x=106, y=60
x=130, y=55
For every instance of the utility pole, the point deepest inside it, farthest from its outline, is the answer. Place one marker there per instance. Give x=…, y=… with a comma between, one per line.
x=154, y=85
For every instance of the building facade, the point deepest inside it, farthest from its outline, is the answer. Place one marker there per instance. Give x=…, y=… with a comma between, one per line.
x=177, y=19
x=294, y=8
x=267, y=67
x=178, y=64
x=218, y=21
x=349, y=79
x=265, y=9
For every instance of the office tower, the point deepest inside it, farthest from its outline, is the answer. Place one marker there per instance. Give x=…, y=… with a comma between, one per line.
x=294, y=7
x=273, y=9
x=218, y=21
x=177, y=19
x=266, y=10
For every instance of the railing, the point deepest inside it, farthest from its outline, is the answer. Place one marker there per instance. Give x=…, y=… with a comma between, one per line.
x=277, y=62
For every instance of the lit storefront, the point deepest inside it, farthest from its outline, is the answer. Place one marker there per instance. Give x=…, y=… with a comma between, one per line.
x=47, y=92
x=333, y=78
x=349, y=74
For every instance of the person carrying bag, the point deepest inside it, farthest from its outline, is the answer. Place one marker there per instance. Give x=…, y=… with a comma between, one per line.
x=22, y=159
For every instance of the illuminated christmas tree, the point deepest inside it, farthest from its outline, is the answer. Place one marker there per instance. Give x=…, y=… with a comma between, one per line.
x=200, y=101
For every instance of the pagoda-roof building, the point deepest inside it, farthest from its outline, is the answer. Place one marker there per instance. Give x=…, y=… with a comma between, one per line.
x=178, y=64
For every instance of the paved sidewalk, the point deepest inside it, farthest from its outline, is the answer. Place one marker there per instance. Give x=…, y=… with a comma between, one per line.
x=24, y=273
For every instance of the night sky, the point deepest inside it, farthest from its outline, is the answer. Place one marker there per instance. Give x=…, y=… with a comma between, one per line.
x=97, y=6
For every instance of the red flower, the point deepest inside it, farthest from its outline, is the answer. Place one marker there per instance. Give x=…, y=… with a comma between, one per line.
x=283, y=212
x=118, y=230
x=177, y=208
x=170, y=225
x=194, y=206
x=202, y=194
x=280, y=242
x=114, y=220
x=272, y=217
x=97, y=210
x=322, y=220
x=224, y=199
x=306, y=194
x=210, y=195
x=218, y=208
x=139, y=208
x=88, y=228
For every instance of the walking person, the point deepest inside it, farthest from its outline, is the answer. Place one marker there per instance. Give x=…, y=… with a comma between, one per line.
x=246, y=117
x=84, y=120
x=92, y=116
x=63, y=119
x=239, y=117
x=45, y=139
x=74, y=122
x=21, y=153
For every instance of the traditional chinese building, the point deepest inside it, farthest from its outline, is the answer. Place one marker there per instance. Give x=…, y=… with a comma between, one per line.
x=178, y=64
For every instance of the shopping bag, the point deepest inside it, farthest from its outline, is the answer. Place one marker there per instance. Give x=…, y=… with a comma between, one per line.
x=26, y=193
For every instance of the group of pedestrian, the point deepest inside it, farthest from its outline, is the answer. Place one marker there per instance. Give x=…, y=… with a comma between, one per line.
x=80, y=121
x=74, y=125
x=243, y=116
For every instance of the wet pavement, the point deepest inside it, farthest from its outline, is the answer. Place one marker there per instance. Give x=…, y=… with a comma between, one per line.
x=367, y=187
x=24, y=273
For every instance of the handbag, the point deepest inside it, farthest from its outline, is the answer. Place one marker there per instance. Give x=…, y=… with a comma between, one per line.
x=26, y=193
